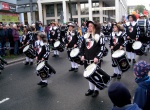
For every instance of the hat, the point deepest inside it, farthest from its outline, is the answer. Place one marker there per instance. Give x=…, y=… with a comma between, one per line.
x=87, y=24
x=133, y=16
x=71, y=24
x=53, y=23
x=119, y=94
x=141, y=69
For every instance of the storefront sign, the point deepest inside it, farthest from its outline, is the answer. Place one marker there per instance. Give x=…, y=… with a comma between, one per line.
x=5, y=6
x=12, y=7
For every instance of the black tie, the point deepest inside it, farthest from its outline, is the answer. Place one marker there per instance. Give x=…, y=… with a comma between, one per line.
x=69, y=33
x=90, y=36
x=130, y=24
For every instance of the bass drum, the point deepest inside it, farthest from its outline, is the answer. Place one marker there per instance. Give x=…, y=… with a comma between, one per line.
x=121, y=60
x=74, y=54
x=44, y=70
x=138, y=48
x=97, y=76
x=59, y=46
x=29, y=52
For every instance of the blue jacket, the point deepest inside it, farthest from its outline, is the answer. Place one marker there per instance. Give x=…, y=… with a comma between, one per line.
x=140, y=97
x=128, y=107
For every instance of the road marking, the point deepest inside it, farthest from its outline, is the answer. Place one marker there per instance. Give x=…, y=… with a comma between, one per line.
x=4, y=100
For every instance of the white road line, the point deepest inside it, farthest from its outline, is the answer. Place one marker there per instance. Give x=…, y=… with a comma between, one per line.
x=4, y=100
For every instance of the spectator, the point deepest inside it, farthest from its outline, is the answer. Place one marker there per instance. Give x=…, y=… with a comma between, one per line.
x=120, y=97
x=2, y=41
x=20, y=38
x=10, y=38
x=47, y=31
x=142, y=94
x=16, y=39
x=41, y=27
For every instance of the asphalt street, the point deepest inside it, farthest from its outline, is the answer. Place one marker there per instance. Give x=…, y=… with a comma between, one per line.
x=65, y=91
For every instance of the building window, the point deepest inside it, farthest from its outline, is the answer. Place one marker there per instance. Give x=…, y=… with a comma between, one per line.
x=84, y=20
x=50, y=10
x=74, y=8
x=59, y=9
x=96, y=19
x=84, y=8
x=95, y=4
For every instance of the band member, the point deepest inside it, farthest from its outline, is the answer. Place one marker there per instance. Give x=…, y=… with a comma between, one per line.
x=28, y=41
x=143, y=31
x=117, y=41
x=106, y=29
x=91, y=52
x=71, y=41
x=43, y=54
x=54, y=36
x=132, y=31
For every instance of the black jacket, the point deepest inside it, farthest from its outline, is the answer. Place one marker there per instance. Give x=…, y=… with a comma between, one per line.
x=92, y=48
x=2, y=35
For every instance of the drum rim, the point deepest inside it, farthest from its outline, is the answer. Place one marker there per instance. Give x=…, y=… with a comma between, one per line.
x=136, y=42
x=55, y=43
x=92, y=71
x=119, y=56
x=39, y=64
x=25, y=47
x=75, y=55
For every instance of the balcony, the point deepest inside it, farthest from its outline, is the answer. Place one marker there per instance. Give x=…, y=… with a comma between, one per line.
x=22, y=2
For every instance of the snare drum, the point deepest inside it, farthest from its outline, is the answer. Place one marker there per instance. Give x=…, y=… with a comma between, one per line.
x=138, y=48
x=45, y=70
x=120, y=58
x=97, y=76
x=29, y=52
x=59, y=46
x=74, y=54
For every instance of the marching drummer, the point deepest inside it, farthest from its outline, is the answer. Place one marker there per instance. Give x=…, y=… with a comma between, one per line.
x=92, y=51
x=29, y=41
x=132, y=31
x=71, y=42
x=54, y=36
x=117, y=41
x=43, y=55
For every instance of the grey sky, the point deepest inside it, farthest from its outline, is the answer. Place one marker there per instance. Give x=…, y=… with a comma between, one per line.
x=139, y=2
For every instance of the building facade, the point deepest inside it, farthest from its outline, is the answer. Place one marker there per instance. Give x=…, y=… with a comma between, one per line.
x=131, y=9
x=23, y=7
x=8, y=11
x=82, y=10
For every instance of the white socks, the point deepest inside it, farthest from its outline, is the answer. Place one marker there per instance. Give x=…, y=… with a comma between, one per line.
x=131, y=55
x=29, y=59
x=56, y=52
x=92, y=86
x=74, y=65
x=116, y=70
x=44, y=81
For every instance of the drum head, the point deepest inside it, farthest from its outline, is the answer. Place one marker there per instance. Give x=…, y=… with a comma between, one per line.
x=89, y=70
x=40, y=66
x=74, y=52
x=137, y=45
x=26, y=48
x=118, y=53
x=56, y=44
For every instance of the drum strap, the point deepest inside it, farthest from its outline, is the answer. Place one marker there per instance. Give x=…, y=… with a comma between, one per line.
x=90, y=61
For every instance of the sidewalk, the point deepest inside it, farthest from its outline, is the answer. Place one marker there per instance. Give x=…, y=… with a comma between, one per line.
x=14, y=59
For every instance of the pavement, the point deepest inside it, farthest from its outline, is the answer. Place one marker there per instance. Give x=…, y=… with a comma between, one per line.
x=65, y=91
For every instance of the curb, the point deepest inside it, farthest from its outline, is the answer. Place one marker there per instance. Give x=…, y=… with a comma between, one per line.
x=16, y=61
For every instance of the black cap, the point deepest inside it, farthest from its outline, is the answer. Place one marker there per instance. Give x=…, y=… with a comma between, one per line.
x=87, y=24
x=119, y=94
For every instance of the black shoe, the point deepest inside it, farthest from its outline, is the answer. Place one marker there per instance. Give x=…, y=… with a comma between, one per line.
x=72, y=69
x=40, y=83
x=129, y=60
x=76, y=70
x=27, y=63
x=95, y=94
x=54, y=55
x=119, y=76
x=114, y=75
x=44, y=84
x=89, y=92
x=31, y=63
x=134, y=61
